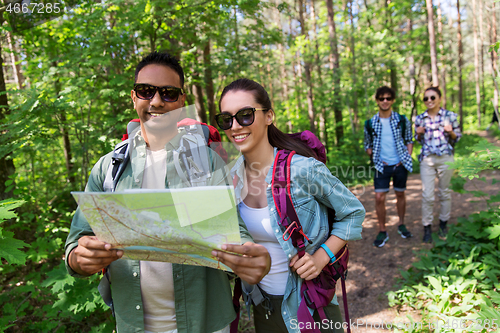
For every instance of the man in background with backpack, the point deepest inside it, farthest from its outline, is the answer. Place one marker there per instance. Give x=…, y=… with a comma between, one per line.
x=389, y=143
x=152, y=296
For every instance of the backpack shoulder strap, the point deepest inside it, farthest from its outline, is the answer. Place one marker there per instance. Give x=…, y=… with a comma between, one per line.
x=369, y=128
x=402, y=125
x=193, y=153
x=119, y=160
x=280, y=184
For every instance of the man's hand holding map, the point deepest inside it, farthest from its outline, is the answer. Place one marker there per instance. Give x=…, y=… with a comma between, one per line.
x=181, y=226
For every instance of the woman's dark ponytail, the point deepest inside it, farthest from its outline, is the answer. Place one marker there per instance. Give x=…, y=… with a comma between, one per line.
x=281, y=140
x=276, y=137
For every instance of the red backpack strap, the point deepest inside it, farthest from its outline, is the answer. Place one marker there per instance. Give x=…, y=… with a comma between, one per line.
x=280, y=184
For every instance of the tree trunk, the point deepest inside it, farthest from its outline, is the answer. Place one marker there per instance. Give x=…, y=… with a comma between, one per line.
x=494, y=57
x=16, y=68
x=411, y=69
x=63, y=126
x=209, y=83
x=323, y=115
x=481, y=37
x=335, y=68
x=284, y=82
x=6, y=163
x=443, y=55
x=476, y=63
x=353, y=72
x=201, y=112
x=269, y=79
x=236, y=41
x=432, y=42
x=460, y=53
x=307, y=69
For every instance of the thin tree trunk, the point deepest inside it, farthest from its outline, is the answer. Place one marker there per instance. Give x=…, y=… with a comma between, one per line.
x=16, y=68
x=209, y=83
x=68, y=156
x=322, y=115
x=411, y=68
x=307, y=69
x=443, y=56
x=392, y=66
x=476, y=62
x=297, y=78
x=452, y=94
x=284, y=82
x=269, y=79
x=432, y=42
x=335, y=68
x=494, y=57
x=201, y=112
x=6, y=163
x=481, y=37
x=236, y=41
x=63, y=126
x=460, y=53
x=353, y=72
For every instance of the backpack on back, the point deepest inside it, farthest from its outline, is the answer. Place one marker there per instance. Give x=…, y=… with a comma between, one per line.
x=316, y=293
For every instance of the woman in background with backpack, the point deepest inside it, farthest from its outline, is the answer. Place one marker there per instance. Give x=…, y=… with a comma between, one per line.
x=247, y=119
x=437, y=130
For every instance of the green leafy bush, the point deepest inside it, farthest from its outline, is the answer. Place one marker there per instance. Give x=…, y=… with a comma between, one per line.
x=9, y=246
x=457, y=281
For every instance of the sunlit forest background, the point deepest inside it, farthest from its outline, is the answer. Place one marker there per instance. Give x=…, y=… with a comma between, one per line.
x=65, y=101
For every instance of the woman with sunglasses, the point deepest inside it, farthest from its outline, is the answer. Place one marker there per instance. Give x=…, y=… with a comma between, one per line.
x=247, y=119
x=437, y=130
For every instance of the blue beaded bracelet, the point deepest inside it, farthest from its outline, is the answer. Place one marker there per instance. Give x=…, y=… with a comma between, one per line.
x=330, y=253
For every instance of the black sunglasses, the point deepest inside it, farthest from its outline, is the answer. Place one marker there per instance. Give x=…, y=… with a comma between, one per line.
x=385, y=98
x=167, y=93
x=427, y=98
x=244, y=117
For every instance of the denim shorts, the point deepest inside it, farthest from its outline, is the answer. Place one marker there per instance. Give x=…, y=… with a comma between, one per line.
x=399, y=175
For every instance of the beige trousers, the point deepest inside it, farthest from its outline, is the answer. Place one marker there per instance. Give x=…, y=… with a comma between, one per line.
x=433, y=166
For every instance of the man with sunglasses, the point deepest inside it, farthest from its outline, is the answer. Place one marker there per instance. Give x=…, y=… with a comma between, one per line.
x=389, y=143
x=152, y=296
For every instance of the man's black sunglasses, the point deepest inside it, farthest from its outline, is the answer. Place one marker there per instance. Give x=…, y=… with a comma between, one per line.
x=244, y=117
x=167, y=93
x=427, y=98
x=385, y=98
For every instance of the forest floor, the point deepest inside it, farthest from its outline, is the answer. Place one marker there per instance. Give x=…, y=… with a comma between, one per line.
x=374, y=271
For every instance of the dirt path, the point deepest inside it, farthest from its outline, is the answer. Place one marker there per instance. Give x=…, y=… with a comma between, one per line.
x=373, y=271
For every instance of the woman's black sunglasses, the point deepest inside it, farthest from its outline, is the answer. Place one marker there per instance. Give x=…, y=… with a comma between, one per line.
x=167, y=93
x=427, y=98
x=244, y=117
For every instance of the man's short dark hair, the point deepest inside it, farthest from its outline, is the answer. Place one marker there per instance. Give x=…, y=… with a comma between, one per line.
x=161, y=58
x=385, y=90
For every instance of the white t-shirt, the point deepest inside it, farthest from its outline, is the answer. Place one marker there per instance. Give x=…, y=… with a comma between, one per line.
x=157, y=282
x=258, y=223
x=388, y=152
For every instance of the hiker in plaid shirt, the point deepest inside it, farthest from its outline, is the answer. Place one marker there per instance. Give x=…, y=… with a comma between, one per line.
x=437, y=130
x=389, y=143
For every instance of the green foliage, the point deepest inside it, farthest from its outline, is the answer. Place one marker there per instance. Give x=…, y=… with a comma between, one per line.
x=49, y=300
x=455, y=281
x=9, y=246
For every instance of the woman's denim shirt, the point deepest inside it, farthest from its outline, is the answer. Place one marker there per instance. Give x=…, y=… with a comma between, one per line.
x=313, y=188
